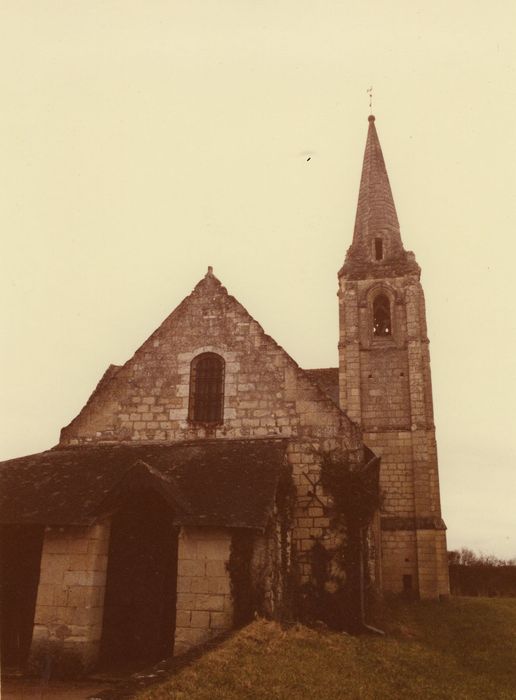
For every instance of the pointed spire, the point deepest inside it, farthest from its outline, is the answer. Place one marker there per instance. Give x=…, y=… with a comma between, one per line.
x=376, y=212
x=377, y=249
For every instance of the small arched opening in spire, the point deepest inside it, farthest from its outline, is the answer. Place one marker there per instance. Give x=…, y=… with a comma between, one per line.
x=382, y=326
x=207, y=389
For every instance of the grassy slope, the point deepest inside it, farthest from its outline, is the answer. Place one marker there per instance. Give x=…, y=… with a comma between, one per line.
x=464, y=648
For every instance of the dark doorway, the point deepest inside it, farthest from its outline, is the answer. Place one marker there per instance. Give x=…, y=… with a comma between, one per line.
x=20, y=560
x=140, y=603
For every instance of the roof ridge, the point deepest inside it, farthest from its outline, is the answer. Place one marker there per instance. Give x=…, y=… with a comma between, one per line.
x=319, y=369
x=158, y=443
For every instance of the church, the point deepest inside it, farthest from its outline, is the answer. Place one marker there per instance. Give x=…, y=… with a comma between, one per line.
x=192, y=488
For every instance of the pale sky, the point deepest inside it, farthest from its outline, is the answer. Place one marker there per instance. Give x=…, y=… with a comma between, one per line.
x=142, y=141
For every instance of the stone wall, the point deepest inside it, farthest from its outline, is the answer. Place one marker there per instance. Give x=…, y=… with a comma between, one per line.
x=265, y=393
x=204, y=604
x=69, y=606
x=399, y=559
x=433, y=563
x=311, y=520
x=385, y=385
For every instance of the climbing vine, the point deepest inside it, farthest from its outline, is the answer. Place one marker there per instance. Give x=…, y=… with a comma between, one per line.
x=354, y=487
x=259, y=564
x=354, y=491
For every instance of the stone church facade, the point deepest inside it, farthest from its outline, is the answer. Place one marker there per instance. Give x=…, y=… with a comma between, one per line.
x=191, y=479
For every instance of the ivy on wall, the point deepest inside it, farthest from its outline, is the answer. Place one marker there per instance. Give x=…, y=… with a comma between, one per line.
x=264, y=587
x=354, y=490
x=335, y=594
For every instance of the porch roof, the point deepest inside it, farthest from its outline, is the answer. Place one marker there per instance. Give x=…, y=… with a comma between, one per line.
x=218, y=483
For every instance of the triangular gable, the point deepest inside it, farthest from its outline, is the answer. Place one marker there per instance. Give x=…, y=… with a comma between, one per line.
x=141, y=476
x=209, y=319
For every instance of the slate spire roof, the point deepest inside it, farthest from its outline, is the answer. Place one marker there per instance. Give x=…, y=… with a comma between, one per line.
x=376, y=220
x=376, y=211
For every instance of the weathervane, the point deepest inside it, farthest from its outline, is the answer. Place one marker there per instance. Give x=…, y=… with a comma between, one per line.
x=370, y=93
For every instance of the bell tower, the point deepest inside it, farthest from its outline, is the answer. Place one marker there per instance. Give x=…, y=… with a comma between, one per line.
x=385, y=384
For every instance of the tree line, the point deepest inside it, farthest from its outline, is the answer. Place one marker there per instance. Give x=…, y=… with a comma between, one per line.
x=474, y=574
x=467, y=557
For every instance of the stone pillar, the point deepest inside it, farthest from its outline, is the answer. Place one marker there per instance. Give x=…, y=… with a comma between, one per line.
x=70, y=600
x=204, y=603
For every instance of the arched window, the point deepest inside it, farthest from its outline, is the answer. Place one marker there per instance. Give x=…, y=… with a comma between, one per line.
x=382, y=316
x=207, y=388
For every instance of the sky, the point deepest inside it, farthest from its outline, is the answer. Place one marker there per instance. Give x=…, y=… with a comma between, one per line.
x=143, y=141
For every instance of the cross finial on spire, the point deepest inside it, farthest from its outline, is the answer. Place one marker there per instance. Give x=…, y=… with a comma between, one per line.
x=370, y=93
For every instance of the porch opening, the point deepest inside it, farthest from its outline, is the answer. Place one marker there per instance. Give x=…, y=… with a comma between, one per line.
x=140, y=603
x=20, y=561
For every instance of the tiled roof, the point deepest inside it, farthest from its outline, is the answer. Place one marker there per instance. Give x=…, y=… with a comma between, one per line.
x=224, y=483
x=327, y=379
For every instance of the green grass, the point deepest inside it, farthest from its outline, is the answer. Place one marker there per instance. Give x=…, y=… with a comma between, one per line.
x=463, y=648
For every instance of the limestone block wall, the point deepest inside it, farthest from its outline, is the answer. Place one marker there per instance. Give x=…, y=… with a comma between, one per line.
x=419, y=553
x=409, y=483
x=385, y=385
x=311, y=520
x=399, y=559
x=433, y=563
x=385, y=388
x=396, y=474
x=204, y=603
x=70, y=599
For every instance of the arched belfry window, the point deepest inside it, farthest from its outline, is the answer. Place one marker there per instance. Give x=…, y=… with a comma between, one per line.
x=382, y=316
x=207, y=388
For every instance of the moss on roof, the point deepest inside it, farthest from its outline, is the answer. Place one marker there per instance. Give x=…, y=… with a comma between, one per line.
x=225, y=483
